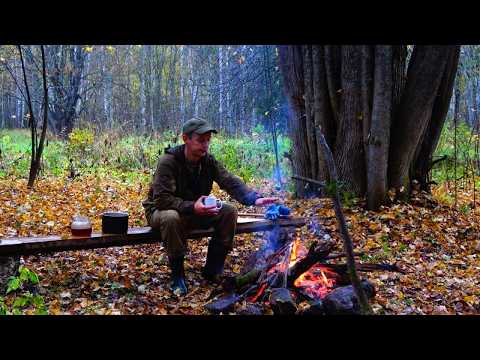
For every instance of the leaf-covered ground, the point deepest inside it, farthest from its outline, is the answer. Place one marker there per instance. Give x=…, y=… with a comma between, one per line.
x=436, y=244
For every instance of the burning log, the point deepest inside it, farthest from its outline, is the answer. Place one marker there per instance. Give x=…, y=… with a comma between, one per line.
x=282, y=302
x=315, y=254
x=293, y=268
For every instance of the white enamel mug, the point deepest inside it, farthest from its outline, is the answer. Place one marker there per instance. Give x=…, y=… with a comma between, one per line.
x=212, y=200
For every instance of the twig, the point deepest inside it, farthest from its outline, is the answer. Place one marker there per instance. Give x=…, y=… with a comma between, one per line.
x=337, y=256
x=313, y=181
x=444, y=157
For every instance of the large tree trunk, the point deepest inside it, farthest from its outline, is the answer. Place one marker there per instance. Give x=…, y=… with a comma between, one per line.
x=309, y=116
x=423, y=158
x=425, y=72
x=291, y=63
x=378, y=140
x=322, y=109
x=349, y=150
x=65, y=75
x=379, y=120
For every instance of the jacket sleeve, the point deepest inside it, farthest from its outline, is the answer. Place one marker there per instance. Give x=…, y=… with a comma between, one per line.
x=164, y=186
x=234, y=185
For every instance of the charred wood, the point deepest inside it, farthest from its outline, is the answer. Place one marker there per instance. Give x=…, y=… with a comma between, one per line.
x=282, y=302
x=344, y=301
x=315, y=254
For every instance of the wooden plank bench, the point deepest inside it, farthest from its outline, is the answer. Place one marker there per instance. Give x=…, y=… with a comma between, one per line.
x=137, y=235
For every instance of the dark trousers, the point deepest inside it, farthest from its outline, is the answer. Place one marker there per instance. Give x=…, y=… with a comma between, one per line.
x=175, y=227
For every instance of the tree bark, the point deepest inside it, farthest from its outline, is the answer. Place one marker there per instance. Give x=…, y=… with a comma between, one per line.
x=423, y=160
x=367, y=84
x=291, y=63
x=309, y=121
x=375, y=128
x=425, y=72
x=349, y=150
x=378, y=139
x=333, y=75
x=323, y=114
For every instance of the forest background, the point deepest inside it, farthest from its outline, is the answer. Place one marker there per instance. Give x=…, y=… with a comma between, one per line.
x=113, y=109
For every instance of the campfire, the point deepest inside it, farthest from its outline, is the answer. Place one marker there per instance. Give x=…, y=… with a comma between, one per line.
x=292, y=279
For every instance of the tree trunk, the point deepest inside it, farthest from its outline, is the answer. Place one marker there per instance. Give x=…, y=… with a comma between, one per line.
x=323, y=114
x=291, y=63
x=312, y=171
x=349, y=150
x=456, y=109
x=376, y=129
x=107, y=91
x=423, y=159
x=221, y=86
x=142, y=90
x=378, y=139
x=425, y=72
x=474, y=102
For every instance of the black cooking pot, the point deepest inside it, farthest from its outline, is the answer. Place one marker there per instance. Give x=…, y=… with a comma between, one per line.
x=115, y=222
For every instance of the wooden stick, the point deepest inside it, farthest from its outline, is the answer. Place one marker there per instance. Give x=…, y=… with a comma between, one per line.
x=342, y=225
x=337, y=256
x=309, y=180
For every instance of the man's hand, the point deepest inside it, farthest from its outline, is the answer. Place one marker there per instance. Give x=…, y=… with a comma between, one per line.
x=200, y=209
x=266, y=201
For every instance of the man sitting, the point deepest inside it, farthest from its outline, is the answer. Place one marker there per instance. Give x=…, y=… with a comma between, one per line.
x=183, y=178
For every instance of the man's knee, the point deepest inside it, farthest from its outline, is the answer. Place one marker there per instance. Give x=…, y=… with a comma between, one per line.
x=164, y=218
x=229, y=210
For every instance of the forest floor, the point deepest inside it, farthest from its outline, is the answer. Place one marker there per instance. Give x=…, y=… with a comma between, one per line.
x=437, y=245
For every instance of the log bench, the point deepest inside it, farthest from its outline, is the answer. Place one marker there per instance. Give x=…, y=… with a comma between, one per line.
x=138, y=235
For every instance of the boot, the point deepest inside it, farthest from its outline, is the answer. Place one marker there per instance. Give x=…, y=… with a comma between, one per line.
x=213, y=268
x=177, y=286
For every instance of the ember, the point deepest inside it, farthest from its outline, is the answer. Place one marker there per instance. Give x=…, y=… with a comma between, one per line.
x=315, y=282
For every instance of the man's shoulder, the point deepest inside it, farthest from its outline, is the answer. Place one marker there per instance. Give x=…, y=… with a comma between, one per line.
x=166, y=159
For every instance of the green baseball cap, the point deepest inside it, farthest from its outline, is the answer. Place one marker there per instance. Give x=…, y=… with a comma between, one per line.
x=198, y=126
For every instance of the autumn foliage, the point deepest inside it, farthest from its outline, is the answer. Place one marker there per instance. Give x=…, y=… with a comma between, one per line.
x=434, y=243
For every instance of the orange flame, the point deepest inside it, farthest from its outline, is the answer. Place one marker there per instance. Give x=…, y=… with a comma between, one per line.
x=298, y=251
x=315, y=281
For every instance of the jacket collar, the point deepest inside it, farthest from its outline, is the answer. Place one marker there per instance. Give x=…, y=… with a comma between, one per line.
x=179, y=153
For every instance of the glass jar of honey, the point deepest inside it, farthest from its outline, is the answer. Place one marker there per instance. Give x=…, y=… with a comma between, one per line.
x=81, y=226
